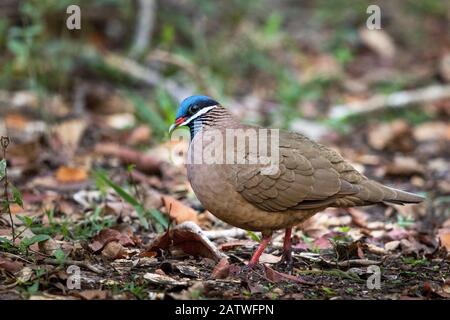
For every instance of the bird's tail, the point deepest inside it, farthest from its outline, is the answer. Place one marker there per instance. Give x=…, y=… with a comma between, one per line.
x=397, y=196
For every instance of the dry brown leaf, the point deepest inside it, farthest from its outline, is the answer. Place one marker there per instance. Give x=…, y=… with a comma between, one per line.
x=10, y=266
x=140, y=135
x=221, y=270
x=233, y=244
x=432, y=131
x=378, y=41
x=69, y=134
x=178, y=211
x=190, y=239
x=93, y=294
x=444, y=236
x=113, y=250
x=393, y=136
x=269, y=258
x=359, y=217
x=107, y=235
x=163, y=279
x=144, y=162
x=404, y=166
x=16, y=121
x=71, y=174
x=276, y=276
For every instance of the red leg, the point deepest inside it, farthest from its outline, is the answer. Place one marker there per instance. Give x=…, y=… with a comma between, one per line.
x=287, y=255
x=264, y=242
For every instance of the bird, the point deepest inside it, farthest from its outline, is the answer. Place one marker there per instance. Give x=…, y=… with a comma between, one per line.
x=307, y=178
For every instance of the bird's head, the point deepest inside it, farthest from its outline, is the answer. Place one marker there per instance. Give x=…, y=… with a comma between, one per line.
x=190, y=109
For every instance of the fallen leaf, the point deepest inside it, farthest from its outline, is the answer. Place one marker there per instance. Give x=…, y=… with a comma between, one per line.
x=144, y=162
x=16, y=121
x=221, y=270
x=121, y=121
x=10, y=266
x=164, y=280
x=392, y=245
x=51, y=245
x=359, y=217
x=93, y=294
x=269, y=258
x=113, y=250
x=404, y=166
x=69, y=133
x=432, y=131
x=107, y=235
x=276, y=276
x=140, y=135
x=444, y=236
x=71, y=174
x=178, y=211
x=378, y=41
x=189, y=238
x=395, y=135
x=233, y=244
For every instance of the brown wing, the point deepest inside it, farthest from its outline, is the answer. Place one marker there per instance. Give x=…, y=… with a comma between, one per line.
x=311, y=176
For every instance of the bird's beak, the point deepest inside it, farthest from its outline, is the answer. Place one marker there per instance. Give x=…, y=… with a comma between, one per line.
x=177, y=123
x=172, y=128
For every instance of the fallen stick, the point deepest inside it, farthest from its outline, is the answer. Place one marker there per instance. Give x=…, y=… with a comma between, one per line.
x=399, y=99
x=144, y=162
x=74, y=262
x=227, y=233
x=148, y=76
x=144, y=27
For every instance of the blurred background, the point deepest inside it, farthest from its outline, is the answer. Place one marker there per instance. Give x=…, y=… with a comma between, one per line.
x=274, y=62
x=382, y=97
x=87, y=112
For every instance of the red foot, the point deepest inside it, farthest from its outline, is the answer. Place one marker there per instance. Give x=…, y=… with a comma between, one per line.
x=255, y=258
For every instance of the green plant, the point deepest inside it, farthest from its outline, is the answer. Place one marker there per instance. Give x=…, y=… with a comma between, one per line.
x=17, y=197
x=253, y=236
x=405, y=222
x=160, y=221
x=137, y=290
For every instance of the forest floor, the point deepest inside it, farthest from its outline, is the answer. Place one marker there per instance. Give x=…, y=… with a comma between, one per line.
x=80, y=209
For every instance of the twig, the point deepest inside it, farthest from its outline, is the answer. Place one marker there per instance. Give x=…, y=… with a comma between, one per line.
x=184, y=64
x=12, y=255
x=399, y=99
x=74, y=262
x=354, y=263
x=227, y=233
x=5, y=143
x=144, y=27
x=148, y=76
x=315, y=257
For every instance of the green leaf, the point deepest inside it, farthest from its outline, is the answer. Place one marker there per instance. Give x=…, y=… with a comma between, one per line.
x=2, y=168
x=59, y=255
x=148, y=115
x=125, y=196
x=26, y=220
x=253, y=236
x=119, y=190
x=17, y=196
x=140, y=212
x=35, y=239
x=33, y=288
x=157, y=215
x=4, y=240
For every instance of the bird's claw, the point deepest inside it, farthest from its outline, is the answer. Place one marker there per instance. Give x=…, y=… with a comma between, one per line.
x=286, y=263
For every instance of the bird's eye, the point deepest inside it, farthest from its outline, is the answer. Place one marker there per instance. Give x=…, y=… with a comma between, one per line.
x=194, y=108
